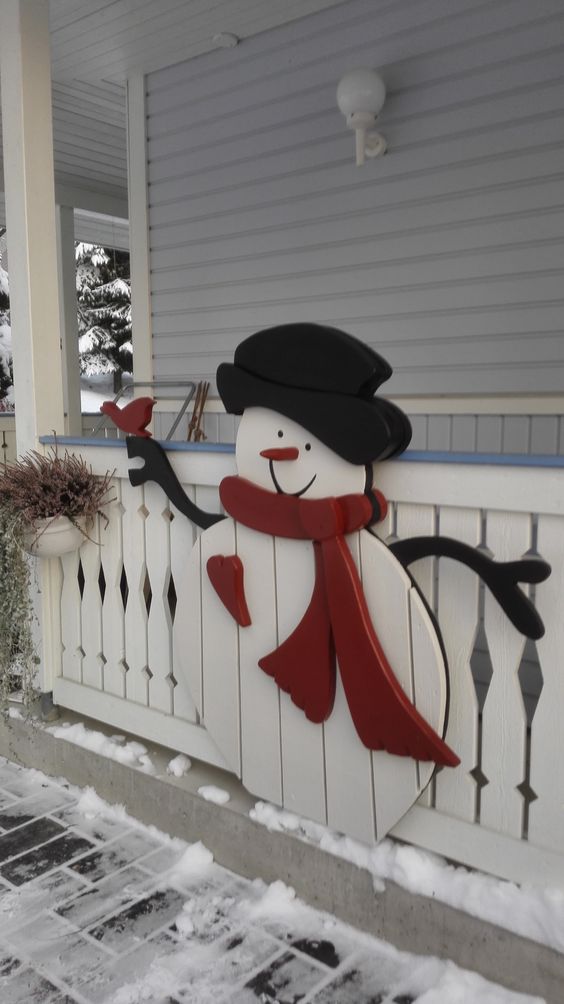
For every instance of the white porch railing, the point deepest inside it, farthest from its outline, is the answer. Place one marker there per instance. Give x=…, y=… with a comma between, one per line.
x=115, y=656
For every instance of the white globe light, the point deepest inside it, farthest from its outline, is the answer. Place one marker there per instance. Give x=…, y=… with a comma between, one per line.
x=361, y=91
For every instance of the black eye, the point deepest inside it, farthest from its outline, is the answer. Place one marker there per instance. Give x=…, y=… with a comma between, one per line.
x=308, y=446
x=280, y=433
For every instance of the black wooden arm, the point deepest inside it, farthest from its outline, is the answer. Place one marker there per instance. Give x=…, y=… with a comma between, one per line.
x=501, y=578
x=157, y=468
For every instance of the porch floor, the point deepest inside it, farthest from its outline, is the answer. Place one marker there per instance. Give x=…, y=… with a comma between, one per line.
x=96, y=907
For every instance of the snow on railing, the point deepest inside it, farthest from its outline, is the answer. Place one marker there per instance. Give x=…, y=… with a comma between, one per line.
x=116, y=654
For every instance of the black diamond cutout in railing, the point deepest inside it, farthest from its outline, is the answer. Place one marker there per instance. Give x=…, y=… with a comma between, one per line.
x=529, y=796
x=102, y=583
x=479, y=777
x=147, y=672
x=527, y=792
x=147, y=592
x=481, y=666
x=171, y=599
x=530, y=679
x=80, y=578
x=123, y=587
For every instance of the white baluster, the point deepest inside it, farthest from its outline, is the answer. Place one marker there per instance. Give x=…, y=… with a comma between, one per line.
x=133, y=524
x=113, y=626
x=504, y=722
x=546, y=813
x=458, y=594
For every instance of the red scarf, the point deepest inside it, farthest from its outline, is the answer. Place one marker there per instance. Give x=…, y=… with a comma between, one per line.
x=337, y=620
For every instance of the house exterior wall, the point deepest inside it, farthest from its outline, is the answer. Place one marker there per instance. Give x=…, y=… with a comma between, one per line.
x=445, y=255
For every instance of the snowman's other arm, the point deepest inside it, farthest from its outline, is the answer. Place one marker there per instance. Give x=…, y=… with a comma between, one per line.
x=501, y=577
x=157, y=468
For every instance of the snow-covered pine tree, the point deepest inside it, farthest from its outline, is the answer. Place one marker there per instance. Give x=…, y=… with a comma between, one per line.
x=6, y=377
x=104, y=311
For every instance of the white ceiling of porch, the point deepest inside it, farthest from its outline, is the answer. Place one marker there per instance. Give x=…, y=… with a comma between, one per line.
x=97, y=44
x=106, y=40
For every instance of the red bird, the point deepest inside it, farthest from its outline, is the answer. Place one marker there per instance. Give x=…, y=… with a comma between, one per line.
x=133, y=417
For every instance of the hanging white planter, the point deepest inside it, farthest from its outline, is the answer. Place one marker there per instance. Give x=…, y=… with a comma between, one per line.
x=50, y=538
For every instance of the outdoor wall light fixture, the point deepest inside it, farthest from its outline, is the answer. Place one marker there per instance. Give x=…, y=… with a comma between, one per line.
x=360, y=96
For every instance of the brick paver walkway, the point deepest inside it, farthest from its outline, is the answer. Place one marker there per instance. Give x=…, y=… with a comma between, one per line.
x=94, y=908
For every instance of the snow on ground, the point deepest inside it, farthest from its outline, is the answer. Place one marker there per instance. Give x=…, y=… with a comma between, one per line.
x=179, y=766
x=229, y=936
x=213, y=794
x=96, y=389
x=533, y=913
x=114, y=747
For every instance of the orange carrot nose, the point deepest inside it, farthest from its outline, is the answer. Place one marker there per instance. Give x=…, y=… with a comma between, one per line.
x=283, y=453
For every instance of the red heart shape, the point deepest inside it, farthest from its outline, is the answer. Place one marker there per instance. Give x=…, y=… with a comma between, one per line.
x=226, y=576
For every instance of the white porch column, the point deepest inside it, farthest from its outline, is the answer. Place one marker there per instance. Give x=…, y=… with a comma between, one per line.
x=30, y=218
x=139, y=230
x=69, y=323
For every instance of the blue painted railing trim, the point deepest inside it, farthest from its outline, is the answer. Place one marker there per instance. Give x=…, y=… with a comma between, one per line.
x=493, y=459
x=116, y=443
x=417, y=456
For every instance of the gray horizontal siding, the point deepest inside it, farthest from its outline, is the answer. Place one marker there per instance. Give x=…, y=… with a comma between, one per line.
x=446, y=255
x=526, y=434
x=507, y=434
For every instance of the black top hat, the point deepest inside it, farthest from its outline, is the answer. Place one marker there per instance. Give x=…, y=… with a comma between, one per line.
x=323, y=379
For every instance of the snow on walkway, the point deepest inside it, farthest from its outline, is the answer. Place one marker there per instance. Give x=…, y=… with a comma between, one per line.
x=96, y=908
x=535, y=913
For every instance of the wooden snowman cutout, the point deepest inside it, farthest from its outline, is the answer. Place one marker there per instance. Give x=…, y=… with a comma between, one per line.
x=309, y=651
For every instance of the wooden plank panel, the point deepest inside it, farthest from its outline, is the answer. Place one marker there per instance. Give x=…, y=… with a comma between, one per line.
x=92, y=663
x=133, y=528
x=113, y=620
x=71, y=620
x=429, y=675
x=261, y=767
x=302, y=741
x=350, y=793
x=220, y=653
x=386, y=588
x=187, y=694
x=458, y=592
x=419, y=521
x=504, y=723
x=546, y=818
x=159, y=623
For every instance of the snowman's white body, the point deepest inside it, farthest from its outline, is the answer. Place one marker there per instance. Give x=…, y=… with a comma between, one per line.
x=320, y=771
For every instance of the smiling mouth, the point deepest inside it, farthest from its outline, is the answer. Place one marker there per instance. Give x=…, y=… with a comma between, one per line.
x=281, y=490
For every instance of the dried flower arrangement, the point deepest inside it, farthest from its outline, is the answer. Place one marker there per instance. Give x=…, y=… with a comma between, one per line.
x=34, y=492
x=42, y=487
